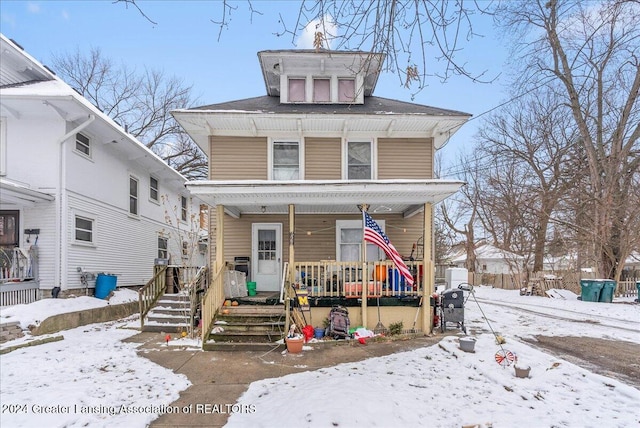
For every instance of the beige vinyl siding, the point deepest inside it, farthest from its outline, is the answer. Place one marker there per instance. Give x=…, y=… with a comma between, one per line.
x=322, y=158
x=410, y=158
x=237, y=158
x=321, y=243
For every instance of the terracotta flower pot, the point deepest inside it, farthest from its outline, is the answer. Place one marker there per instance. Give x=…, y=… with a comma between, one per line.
x=294, y=344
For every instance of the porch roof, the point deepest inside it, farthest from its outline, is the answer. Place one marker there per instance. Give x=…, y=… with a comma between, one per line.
x=323, y=196
x=20, y=195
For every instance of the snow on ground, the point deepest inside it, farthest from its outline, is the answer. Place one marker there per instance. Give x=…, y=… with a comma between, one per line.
x=100, y=381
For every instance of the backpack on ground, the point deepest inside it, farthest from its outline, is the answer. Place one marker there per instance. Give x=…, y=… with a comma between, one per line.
x=339, y=322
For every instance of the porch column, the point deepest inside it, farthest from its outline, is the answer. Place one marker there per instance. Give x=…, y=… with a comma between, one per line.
x=365, y=276
x=291, y=272
x=429, y=273
x=219, y=238
x=292, y=236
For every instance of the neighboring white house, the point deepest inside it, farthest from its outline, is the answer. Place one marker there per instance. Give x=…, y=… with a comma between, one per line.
x=490, y=259
x=78, y=192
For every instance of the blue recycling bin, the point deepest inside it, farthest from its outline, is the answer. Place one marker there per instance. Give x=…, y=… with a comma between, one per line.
x=608, y=289
x=590, y=289
x=105, y=284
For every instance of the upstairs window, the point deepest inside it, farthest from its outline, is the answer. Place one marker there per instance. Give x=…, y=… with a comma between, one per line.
x=133, y=196
x=297, y=90
x=346, y=90
x=321, y=90
x=183, y=208
x=83, y=145
x=286, y=161
x=153, y=189
x=359, y=160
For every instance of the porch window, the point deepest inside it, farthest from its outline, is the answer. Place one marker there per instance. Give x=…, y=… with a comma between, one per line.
x=153, y=189
x=297, y=90
x=346, y=90
x=83, y=145
x=359, y=160
x=163, y=245
x=286, y=160
x=83, y=229
x=321, y=90
x=133, y=195
x=349, y=242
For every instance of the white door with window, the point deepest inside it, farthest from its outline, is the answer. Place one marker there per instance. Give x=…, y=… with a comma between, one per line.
x=266, y=266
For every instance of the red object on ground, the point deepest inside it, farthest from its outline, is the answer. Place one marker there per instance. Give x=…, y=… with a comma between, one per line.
x=167, y=338
x=308, y=332
x=362, y=340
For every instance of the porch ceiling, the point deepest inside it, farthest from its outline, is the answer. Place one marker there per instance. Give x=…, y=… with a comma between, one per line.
x=13, y=194
x=323, y=197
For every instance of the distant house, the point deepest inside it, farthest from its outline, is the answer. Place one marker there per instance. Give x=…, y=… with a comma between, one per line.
x=290, y=171
x=490, y=259
x=77, y=192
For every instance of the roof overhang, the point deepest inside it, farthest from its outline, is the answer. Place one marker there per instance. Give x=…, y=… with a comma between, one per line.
x=14, y=194
x=323, y=196
x=200, y=124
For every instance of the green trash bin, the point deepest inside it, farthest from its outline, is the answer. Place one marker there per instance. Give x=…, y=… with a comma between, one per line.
x=251, y=288
x=590, y=289
x=608, y=289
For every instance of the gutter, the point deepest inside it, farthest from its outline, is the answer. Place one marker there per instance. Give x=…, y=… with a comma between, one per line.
x=62, y=200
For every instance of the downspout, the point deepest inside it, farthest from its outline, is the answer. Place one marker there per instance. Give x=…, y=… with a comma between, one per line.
x=62, y=196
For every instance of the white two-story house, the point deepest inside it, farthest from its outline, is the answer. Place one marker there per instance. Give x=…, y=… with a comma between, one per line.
x=78, y=193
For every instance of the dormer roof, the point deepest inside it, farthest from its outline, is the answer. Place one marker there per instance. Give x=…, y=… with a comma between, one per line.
x=275, y=63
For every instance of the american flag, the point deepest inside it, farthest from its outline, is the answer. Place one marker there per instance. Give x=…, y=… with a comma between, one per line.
x=375, y=235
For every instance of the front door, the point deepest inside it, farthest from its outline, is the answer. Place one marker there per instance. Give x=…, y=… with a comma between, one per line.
x=266, y=244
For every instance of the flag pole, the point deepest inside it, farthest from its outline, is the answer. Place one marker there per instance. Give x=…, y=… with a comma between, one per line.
x=365, y=283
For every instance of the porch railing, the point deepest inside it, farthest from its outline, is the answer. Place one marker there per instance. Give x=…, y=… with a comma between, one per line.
x=212, y=301
x=19, y=293
x=149, y=294
x=347, y=279
x=196, y=287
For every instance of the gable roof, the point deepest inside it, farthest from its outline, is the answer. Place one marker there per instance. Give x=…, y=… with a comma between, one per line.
x=41, y=91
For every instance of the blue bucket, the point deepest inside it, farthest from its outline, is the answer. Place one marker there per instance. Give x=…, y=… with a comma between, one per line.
x=105, y=284
x=318, y=332
x=396, y=281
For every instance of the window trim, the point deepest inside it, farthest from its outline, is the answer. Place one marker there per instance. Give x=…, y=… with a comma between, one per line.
x=93, y=231
x=136, y=196
x=345, y=157
x=353, y=79
x=272, y=143
x=88, y=145
x=355, y=224
x=155, y=200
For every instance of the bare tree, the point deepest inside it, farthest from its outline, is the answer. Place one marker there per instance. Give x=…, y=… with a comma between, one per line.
x=592, y=50
x=140, y=102
x=420, y=38
x=529, y=142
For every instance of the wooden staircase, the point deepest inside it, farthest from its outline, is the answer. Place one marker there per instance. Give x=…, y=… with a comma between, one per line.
x=247, y=327
x=171, y=314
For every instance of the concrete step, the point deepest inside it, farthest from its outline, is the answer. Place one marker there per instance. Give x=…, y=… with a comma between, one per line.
x=165, y=327
x=247, y=336
x=243, y=347
x=263, y=326
x=175, y=297
x=167, y=319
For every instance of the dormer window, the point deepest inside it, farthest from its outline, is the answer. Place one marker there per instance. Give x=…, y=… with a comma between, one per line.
x=296, y=90
x=346, y=90
x=321, y=90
